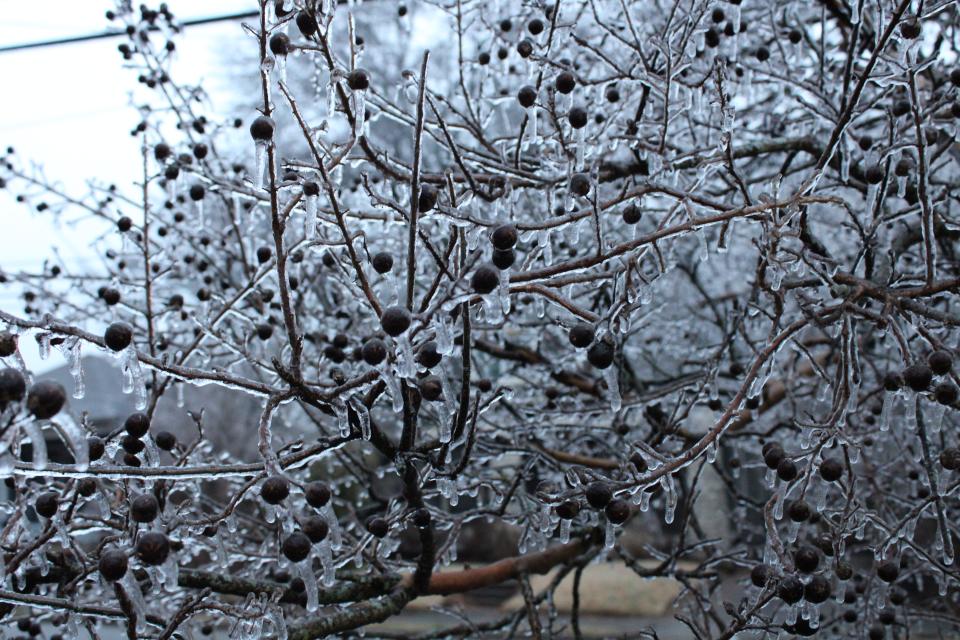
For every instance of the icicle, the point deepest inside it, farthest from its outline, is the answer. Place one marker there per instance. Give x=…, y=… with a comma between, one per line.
x=76, y=368
x=363, y=416
x=326, y=561
x=305, y=569
x=888, y=400
x=170, y=572
x=310, y=220
x=610, y=375
x=261, y=160
x=609, y=536
x=581, y=144
x=132, y=588
x=279, y=624
x=33, y=430
x=133, y=376
x=358, y=105
x=336, y=540
x=564, y=531
x=43, y=344
x=342, y=418
x=406, y=361
x=77, y=440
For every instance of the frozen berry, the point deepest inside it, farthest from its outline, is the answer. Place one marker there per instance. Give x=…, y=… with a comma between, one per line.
x=831, y=469
x=599, y=494
x=600, y=355
x=124, y=224
x=798, y=511
x=612, y=94
x=274, y=490
x=940, y=362
x=617, y=511
x=118, y=336
x=807, y=559
x=144, y=508
x=395, y=320
x=631, y=214
x=910, y=28
x=568, y=510
x=197, y=192
x=8, y=344
x=317, y=494
x=264, y=331
x=132, y=445
x=504, y=237
x=374, y=351
x=153, y=548
x=165, y=440
x=315, y=528
x=382, y=262
x=431, y=388
x=95, y=448
x=45, y=399
x=580, y=184
x=86, y=487
x=711, y=38
x=137, y=424
x=503, y=259
x=296, y=547
x=892, y=381
x=377, y=526
x=162, y=151
x=261, y=129
x=428, y=355
x=485, y=279
x=525, y=48
x=763, y=54
x=818, y=590
x=565, y=82
x=46, y=504
x=888, y=571
x=111, y=296
x=12, y=386
x=527, y=96
x=306, y=23
x=112, y=564
x=760, y=575
x=421, y=518
x=577, y=117
x=946, y=393
x=918, y=377
x=787, y=470
x=280, y=44
x=950, y=458
x=358, y=80
x=581, y=335
x=790, y=589
x=874, y=174
x=428, y=198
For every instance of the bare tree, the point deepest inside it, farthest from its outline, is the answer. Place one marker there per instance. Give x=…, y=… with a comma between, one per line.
x=585, y=257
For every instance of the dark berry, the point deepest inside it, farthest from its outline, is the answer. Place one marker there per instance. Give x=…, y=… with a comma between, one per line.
x=892, y=381
x=581, y=335
x=940, y=362
x=137, y=424
x=378, y=527
x=112, y=564
x=421, y=518
x=374, y=351
x=631, y=214
x=124, y=224
x=504, y=237
x=317, y=494
x=264, y=331
x=806, y=559
x=12, y=386
x=95, y=448
x=280, y=44
x=431, y=388
x=428, y=356
x=910, y=28
x=580, y=184
x=296, y=547
x=760, y=575
x=261, y=129
x=946, y=393
x=598, y=494
x=617, y=511
x=485, y=279
x=888, y=571
x=197, y=192
x=818, y=590
x=153, y=548
x=382, y=262
x=831, y=470
x=527, y=96
x=600, y=355
x=144, y=508
x=315, y=528
x=577, y=117
x=274, y=490
x=565, y=82
x=790, y=589
x=118, y=336
x=568, y=510
x=787, y=470
x=87, y=487
x=395, y=320
x=428, y=198
x=503, y=259
x=799, y=511
x=306, y=23
x=8, y=344
x=46, y=504
x=132, y=445
x=918, y=377
x=165, y=440
x=45, y=399
x=763, y=54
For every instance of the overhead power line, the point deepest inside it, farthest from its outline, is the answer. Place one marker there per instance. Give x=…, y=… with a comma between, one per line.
x=120, y=32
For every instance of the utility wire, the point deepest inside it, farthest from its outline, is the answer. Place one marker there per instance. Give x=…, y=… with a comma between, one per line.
x=120, y=32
